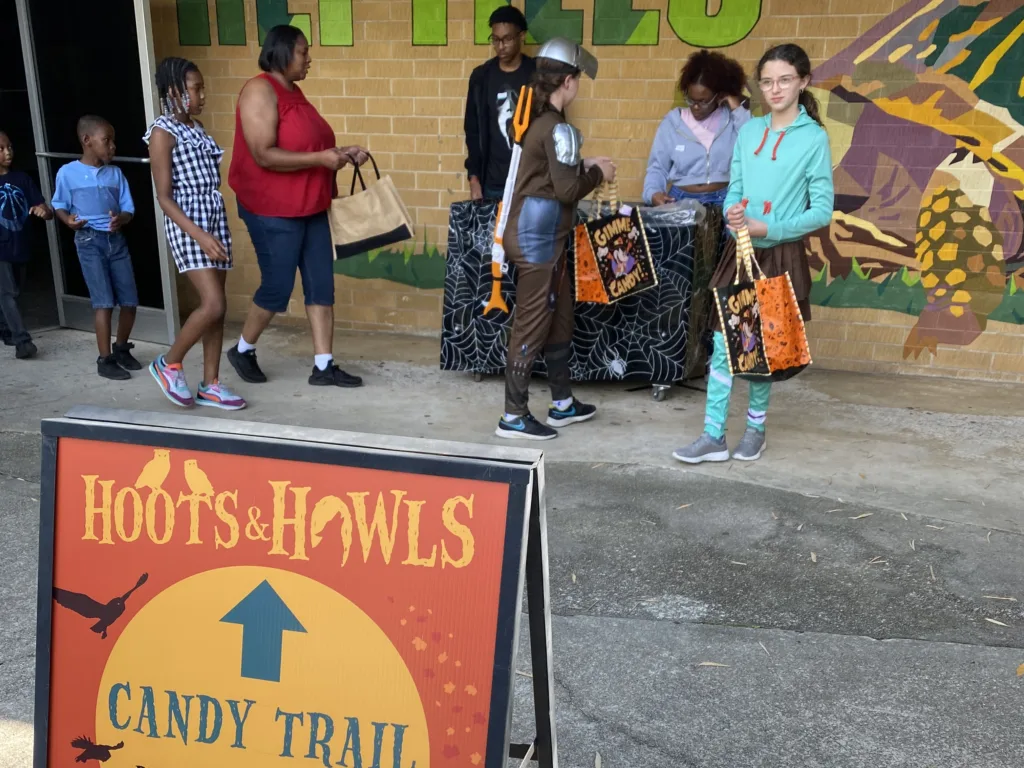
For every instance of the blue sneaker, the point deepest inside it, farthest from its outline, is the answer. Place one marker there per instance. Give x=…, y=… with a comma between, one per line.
x=575, y=413
x=524, y=428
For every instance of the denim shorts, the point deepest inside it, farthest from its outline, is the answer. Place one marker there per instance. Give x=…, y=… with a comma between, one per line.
x=107, y=268
x=284, y=245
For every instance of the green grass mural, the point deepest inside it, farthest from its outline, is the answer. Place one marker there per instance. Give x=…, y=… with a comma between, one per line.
x=898, y=292
x=416, y=265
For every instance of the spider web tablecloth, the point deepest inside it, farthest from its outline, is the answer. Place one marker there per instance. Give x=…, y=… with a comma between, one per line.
x=643, y=337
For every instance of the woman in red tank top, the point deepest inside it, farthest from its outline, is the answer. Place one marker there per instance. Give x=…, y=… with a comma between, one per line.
x=283, y=168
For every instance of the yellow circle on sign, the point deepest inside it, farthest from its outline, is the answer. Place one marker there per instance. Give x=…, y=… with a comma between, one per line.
x=175, y=676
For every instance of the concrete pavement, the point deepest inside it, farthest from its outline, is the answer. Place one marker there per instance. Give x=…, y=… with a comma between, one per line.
x=876, y=651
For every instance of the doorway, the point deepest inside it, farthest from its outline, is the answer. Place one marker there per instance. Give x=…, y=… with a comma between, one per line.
x=101, y=63
x=38, y=301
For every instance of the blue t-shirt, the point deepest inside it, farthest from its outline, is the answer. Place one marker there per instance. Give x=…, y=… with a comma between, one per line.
x=18, y=194
x=91, y=193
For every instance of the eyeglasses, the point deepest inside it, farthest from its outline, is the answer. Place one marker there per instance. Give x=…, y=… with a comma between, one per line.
x=701, y=104
x=498, y=42
x=784, y=83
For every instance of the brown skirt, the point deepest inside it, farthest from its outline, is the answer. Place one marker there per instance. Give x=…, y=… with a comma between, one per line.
x=774, y=261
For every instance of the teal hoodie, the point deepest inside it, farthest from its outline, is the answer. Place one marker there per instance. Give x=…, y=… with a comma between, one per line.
x=786, y=177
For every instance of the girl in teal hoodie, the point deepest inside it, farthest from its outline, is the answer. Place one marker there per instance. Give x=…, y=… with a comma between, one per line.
x=782, y=166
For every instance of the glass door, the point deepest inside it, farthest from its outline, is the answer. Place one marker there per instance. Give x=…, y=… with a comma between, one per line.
x=99, y=63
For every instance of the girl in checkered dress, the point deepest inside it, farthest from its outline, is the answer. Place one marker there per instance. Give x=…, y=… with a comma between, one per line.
x=186, y=171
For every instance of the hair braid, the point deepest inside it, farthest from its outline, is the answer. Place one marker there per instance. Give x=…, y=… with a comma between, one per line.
x=171, y=87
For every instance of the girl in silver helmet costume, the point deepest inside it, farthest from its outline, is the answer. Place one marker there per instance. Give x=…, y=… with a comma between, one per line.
x=551, y=180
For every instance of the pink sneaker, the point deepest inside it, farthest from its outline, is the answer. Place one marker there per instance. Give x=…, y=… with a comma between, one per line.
x=171, y=379
x=216, y=395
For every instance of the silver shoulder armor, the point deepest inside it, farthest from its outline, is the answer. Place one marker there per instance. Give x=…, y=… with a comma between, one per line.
x=568, y=143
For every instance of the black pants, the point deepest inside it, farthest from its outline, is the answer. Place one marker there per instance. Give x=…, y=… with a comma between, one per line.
x=12, y=328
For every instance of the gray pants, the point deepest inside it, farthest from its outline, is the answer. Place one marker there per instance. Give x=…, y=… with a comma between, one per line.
x=12, y=329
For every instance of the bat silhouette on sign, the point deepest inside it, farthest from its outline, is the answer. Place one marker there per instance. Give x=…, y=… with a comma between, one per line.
x=85, y=606
x=100, y=752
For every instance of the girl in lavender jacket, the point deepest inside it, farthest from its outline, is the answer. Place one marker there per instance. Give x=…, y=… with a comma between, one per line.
x=692, y=150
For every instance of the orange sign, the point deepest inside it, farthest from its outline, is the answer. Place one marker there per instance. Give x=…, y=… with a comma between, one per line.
x=227, y=600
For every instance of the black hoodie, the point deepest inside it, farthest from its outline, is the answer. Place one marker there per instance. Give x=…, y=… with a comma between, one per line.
x=478, y=116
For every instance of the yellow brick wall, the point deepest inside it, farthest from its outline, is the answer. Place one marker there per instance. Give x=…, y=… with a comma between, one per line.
x=405, y=103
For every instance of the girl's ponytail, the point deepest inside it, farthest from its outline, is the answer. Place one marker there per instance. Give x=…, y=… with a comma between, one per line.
x=809, y=103
x=547, y=79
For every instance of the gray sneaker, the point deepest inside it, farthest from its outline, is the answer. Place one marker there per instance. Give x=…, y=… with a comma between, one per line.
x=751, y=446
x=704, y=448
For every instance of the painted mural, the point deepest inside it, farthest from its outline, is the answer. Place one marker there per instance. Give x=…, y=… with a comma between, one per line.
x=925, y=116
x=616, y=22
x=924, y=112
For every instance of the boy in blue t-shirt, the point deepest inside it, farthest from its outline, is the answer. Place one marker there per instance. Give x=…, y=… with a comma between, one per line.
x=92, y=198
x=19, y=199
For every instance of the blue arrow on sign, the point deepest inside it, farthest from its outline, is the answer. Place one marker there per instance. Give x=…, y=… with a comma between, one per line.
x=264, y=618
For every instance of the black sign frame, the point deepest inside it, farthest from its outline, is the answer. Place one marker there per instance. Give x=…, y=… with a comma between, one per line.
x=524, y=560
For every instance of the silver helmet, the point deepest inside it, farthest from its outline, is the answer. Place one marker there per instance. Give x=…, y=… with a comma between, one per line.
x=568, y=52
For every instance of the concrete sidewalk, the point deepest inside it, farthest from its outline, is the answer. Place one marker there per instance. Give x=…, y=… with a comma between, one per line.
x=935, y=446
x=885, y=648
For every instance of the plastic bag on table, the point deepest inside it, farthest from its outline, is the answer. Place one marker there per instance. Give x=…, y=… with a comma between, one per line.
x=681, y=213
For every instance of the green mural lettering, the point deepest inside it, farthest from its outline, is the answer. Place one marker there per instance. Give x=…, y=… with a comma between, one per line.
x=735, y=19
x=270, y=13
x=616, y=22
x=193, y=22
x=430, y=22
x=335, y=22
x=482, y=10
x=547, y=19
x=231, y=22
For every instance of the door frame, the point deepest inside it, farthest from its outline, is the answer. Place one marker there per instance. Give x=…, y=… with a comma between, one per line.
x=151, y=324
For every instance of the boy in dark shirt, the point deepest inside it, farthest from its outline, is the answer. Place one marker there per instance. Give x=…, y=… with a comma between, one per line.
x=491, y=103
x=19, y=198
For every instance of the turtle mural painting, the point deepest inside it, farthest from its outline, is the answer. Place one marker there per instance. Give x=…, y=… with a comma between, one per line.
x=925, y=114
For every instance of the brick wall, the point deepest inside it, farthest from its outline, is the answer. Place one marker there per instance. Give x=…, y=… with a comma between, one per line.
x=405, y=102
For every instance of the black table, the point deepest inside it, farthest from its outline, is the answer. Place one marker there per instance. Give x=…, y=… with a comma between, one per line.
x=647, y=337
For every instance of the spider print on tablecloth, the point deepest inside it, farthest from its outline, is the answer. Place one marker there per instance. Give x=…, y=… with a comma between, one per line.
x=642, y=337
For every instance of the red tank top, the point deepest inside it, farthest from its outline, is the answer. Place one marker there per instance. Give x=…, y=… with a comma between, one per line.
x=288, y=194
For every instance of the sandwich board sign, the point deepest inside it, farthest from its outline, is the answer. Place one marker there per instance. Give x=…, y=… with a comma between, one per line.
x=216, y=594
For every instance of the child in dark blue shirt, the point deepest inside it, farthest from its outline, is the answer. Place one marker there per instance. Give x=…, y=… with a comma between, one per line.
x=19, y=199
x=92, y=198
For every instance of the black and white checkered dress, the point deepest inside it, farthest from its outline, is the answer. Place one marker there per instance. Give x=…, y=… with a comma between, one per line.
x=195, y=183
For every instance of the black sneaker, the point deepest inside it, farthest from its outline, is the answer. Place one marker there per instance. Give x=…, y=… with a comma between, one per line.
x=245, y=365
x=24, y=350
x=108, y=368
x=574, y=414
x=333, y=376
x=123, y=355
x=7, y=338
x=524, y=428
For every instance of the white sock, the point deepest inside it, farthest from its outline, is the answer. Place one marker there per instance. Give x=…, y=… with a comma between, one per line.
x=244, y=346
x=322, y=361
x=510, y=417
x=561, y=405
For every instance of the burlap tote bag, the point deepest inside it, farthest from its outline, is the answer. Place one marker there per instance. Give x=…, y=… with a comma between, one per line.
x=372, y=218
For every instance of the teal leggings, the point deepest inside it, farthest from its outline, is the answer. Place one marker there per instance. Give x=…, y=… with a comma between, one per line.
x=720, y=389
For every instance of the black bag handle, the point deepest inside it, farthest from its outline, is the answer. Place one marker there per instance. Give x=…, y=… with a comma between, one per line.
x=357, y=174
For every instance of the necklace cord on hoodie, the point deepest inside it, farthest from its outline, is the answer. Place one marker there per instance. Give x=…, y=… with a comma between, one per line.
x=764, y=139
